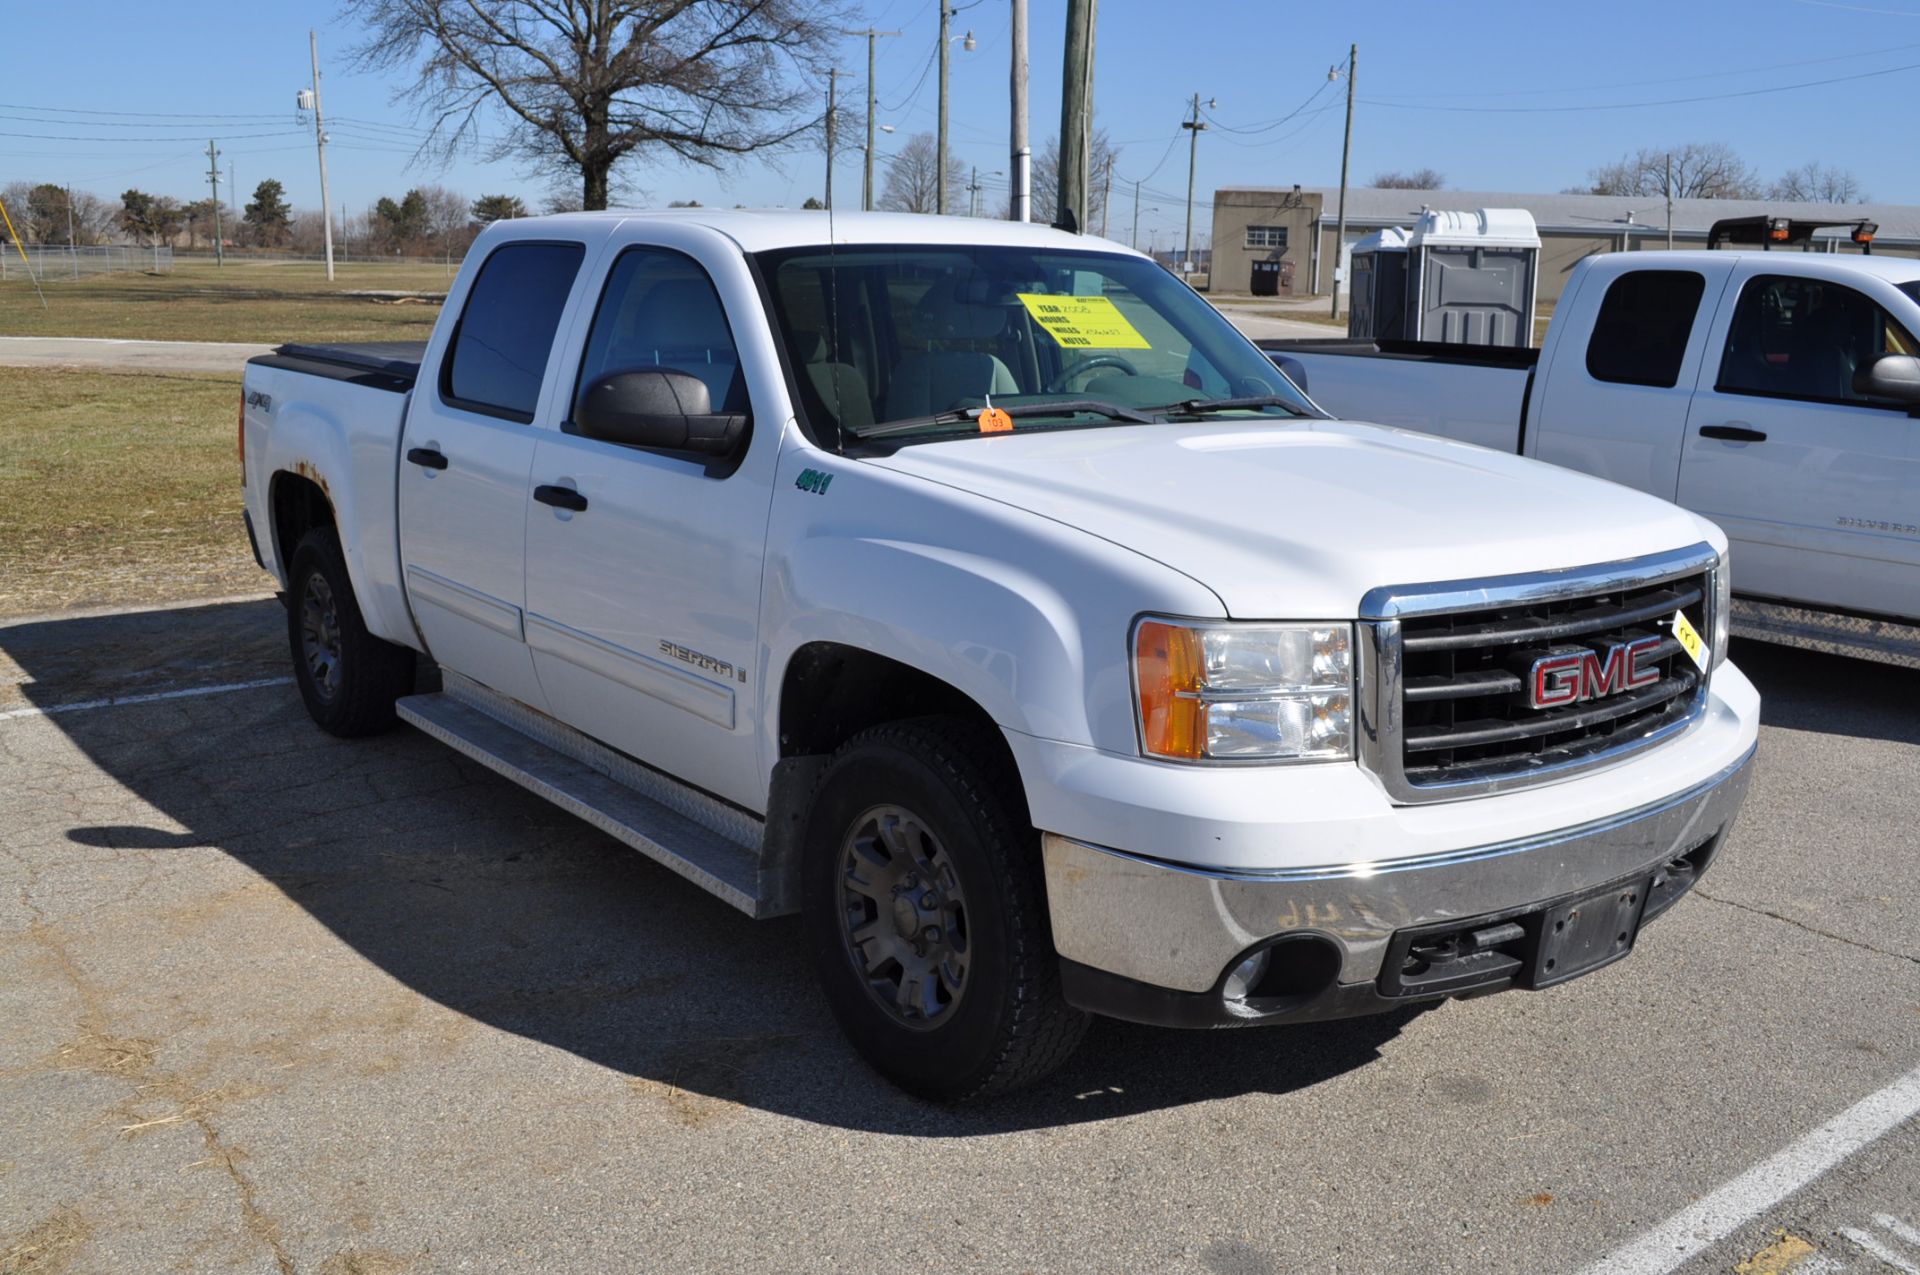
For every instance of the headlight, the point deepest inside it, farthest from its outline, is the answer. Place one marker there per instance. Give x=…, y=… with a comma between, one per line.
x=1244, y=692
x=1722, y=607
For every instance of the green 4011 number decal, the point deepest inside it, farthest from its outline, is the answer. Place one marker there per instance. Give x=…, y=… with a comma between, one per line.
x=812, y=480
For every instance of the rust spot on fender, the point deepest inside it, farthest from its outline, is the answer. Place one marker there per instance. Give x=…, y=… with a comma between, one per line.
x=311, y=472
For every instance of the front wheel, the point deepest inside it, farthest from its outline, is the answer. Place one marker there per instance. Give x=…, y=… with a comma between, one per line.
x=348, y=677
x=926, y=916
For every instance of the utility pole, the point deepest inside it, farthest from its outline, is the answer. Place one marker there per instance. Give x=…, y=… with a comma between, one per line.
x=1076, y=113
x=320, y=144
x=1133, y=240
x=1106, y=196
x=1195, y=127
x=940, y=166
x=213, y=176
x=1669, y=201
x=866, y=185
x=1020, y=205
x=833, y=89
x=1346, y=153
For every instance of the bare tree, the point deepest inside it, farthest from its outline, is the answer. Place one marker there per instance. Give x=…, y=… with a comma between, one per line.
x=910, y=185
x=1818, y=183
x=1045, y=177
x=585, y=84
x=1418, y=179
x=1701, y=170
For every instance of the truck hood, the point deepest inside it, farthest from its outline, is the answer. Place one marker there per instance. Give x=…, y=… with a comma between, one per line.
x=1299, y=520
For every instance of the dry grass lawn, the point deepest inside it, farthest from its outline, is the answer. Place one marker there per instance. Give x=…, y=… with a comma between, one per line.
x=260, y=301
x=119, y=489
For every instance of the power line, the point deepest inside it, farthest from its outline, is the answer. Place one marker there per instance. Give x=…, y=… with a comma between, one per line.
x=1628, y=106
x=64, y=137
x=1671, y=79
x=1270, y=125
x=145, y=115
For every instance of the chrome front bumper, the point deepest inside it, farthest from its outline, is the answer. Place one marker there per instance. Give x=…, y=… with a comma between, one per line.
x=1174, y=932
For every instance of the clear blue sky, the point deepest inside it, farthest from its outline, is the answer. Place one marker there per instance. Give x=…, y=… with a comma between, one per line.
x=1527, y=84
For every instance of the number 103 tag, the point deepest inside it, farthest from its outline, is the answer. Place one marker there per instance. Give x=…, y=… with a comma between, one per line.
x=1689, y=638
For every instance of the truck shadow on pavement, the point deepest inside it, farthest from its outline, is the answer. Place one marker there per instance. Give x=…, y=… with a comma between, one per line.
x=497, y=906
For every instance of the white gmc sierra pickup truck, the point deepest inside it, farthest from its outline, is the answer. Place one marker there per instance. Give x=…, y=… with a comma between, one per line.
x=976, y=591
x=1775, y=392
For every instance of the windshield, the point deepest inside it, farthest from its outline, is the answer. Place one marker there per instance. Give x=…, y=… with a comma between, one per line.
x=887, y=339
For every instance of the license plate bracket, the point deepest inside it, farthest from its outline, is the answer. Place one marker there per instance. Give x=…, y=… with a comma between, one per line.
x=1581, y=935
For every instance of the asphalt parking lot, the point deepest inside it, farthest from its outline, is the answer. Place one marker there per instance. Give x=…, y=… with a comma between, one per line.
x=275, y=1002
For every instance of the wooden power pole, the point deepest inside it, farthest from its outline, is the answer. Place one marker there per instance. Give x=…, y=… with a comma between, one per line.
x=1076, y=114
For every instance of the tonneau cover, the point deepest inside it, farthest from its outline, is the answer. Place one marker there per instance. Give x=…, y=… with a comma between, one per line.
x=394, y=358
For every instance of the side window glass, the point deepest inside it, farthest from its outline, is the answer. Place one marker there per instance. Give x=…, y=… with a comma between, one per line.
x=1805, y=338
x=1640, y=336
x=499, y=352
x=660, y=310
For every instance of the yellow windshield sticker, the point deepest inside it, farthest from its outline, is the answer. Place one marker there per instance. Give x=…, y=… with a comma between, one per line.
x=1689, y=638
x=1083, y=323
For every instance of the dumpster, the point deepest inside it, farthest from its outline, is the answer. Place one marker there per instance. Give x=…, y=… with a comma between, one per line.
x=1266, y=278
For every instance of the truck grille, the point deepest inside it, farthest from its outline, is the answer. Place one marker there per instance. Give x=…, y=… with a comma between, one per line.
x=1452, y=682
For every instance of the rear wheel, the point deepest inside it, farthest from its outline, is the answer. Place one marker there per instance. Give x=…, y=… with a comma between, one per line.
x=926, y=916
x=348, y=677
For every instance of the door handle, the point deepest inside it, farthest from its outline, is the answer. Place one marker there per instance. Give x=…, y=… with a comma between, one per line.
x=427, y=458
x=1733, y=432
x=560, y=497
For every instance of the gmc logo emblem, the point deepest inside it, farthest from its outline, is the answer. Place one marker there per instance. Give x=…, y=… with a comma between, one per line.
x=1558, y=680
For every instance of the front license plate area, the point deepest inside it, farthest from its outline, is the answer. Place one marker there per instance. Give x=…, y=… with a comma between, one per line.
x=1584, y=934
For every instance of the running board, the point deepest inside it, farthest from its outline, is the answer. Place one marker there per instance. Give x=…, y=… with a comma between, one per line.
x=1836, y=633
x=710, y=843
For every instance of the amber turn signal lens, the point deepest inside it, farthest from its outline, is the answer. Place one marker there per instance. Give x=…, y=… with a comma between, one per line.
x=1168, y=664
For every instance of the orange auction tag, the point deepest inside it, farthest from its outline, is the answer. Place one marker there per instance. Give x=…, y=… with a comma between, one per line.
x=994, y=421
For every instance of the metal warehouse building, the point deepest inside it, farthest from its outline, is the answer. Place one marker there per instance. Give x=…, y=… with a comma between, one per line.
x=1298, y=225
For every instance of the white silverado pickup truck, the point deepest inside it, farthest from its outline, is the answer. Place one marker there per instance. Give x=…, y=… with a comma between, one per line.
x=976, y=591
x=1778, y=393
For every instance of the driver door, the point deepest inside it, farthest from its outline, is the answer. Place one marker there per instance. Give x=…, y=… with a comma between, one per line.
x=643, y=605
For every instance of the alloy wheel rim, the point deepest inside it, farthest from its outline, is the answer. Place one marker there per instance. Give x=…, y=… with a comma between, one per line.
x=320, y=636
x=903, y=917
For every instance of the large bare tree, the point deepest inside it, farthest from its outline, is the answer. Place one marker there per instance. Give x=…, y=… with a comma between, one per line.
x=1819, y=183
x=1046, y=178
x=910, y=184
x=583, y=84
x=1701, y=170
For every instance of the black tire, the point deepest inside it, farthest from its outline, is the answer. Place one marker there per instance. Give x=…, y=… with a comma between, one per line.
x=348, y=677
x=1005, y=1023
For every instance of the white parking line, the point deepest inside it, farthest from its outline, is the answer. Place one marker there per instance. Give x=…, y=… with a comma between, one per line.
x=1869, y=1244
x=1717, y=1216
x=118, y=701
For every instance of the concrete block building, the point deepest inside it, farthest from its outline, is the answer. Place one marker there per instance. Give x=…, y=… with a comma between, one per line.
x=1298, y=224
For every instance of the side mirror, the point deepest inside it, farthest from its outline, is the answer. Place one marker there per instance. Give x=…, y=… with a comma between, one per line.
x=1889, y=376
x=1292, y=370
x=658, y=408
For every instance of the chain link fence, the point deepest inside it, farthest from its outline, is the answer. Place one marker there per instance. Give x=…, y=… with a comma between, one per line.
x=48, y=263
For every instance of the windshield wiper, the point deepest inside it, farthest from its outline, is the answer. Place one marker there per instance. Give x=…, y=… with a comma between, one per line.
x=967, y=415
x=1200, y=406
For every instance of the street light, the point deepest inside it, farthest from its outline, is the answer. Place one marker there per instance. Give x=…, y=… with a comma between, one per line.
x=946, y=43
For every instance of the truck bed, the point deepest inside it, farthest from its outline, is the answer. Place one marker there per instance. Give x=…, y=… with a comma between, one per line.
x=385, y=365
x=1476, y=394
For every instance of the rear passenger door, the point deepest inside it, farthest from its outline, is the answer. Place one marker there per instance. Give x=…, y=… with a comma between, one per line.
x=643, y=605
x=1615, y=403
x=465, y=456
x=1814, y=483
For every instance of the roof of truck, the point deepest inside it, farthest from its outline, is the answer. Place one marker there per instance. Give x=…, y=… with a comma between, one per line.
x=760, y=229
x=1788, y=260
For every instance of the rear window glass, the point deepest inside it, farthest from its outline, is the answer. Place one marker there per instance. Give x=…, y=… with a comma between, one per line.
x=499, y=352
x=1640, y=337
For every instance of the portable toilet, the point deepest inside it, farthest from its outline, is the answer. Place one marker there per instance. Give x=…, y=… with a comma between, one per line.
x=1377, y=305
x=1473, y=277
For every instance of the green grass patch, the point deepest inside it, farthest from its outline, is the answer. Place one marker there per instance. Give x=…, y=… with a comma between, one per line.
x=258, y=301
x=118, y=489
